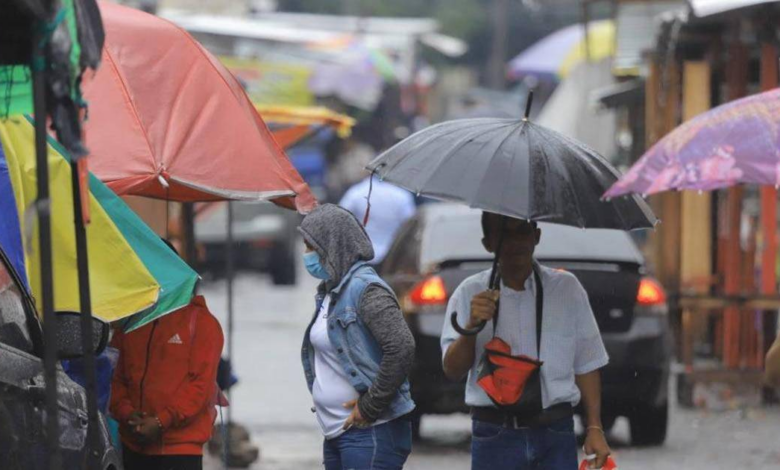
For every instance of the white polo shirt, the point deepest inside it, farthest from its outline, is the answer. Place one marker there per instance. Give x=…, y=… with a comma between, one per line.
x=571, y=341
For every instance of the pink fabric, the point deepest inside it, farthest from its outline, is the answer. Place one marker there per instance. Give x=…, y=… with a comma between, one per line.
x=734, y=143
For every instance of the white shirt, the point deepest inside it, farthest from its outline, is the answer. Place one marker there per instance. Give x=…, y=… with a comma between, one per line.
x=331, y=388
x=571, y=341
x=391, y=206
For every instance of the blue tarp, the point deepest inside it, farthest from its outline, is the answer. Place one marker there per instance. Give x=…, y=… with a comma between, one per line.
x=10, y=232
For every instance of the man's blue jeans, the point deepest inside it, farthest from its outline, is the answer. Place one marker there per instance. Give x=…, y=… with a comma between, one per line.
x=382, y=447
x=552, y=447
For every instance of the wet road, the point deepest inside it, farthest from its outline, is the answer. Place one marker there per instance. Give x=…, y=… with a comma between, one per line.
x=273, y=402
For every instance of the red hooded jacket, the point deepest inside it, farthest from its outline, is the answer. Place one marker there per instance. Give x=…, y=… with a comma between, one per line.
x=168, y=369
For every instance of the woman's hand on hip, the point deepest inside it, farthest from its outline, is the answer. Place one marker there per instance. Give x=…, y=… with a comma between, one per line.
x=355, y=418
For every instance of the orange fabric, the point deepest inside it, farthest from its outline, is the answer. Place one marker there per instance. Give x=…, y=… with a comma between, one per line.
x=507, y=381
x=290, y=136
x=163, y=108
x=175, y=380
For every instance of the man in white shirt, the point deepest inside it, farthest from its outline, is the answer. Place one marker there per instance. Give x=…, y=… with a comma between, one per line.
x=391, y=206
x=571, y=351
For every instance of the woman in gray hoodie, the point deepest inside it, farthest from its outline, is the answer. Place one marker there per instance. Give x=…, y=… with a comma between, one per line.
x=357, y=351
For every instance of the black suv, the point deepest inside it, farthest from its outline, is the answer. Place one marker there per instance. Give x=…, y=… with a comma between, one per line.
x=22, y=393
x=441, y=246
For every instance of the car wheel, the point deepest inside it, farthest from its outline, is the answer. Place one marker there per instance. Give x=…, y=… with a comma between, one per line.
x=608, y=422
x=684, y=391
x=416, y=420
x=648, y=425
x=283, y=267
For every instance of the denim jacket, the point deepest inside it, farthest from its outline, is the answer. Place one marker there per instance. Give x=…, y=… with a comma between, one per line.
x=358, y=351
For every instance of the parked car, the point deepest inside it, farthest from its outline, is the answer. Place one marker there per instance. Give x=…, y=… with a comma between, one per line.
x=22, y=390
x=441, y=246
x=264, y=239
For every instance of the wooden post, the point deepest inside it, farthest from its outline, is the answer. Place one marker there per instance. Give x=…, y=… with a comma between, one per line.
x=670, y=228
x=189, y=251
x=736, y=80
x=696, y=216
x=769, y=80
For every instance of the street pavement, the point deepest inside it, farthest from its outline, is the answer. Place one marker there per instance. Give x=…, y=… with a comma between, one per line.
x=272, y=401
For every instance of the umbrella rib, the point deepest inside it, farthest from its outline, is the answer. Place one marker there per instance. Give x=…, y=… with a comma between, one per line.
x=453, y=152
x=521, y=128
x=126, y=92
x=429, y=135
x=565, y=174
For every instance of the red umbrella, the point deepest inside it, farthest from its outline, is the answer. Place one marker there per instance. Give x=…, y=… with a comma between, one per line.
x=168, y=121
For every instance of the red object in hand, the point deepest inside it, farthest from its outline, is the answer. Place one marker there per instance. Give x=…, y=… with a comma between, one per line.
x=608, y=465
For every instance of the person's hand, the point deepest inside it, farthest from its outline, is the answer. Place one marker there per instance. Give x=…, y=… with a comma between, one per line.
x=355, y=418
x=135, y=417
x=483, y=307
x=147, y=429
x=596, y=444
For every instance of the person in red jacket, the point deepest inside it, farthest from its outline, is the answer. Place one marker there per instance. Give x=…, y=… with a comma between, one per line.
x=164, y=389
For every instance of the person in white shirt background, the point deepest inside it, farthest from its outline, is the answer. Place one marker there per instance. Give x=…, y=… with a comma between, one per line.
x=391, y=206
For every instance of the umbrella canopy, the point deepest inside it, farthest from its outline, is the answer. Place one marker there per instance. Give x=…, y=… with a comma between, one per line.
x=514, y=168
x=554, y=56
x=168, y=121
x=734, y=143
x=351, y=71
x=149, y=282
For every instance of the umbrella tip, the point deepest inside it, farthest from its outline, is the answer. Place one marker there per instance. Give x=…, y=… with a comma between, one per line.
x=528, y=102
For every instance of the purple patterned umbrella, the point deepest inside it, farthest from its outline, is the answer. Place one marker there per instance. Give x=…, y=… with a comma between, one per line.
x=738, y=142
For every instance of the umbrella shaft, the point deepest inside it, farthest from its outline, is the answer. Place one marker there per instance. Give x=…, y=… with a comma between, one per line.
x=47, y=282
x=85, y=305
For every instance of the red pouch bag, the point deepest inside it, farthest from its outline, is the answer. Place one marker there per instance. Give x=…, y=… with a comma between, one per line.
x=513, y=382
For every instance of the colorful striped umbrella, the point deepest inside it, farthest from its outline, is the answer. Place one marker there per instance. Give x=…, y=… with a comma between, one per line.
x=132, y=272
x=552, y=57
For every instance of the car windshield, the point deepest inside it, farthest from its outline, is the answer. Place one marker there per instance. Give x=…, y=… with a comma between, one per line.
x=13, y=323
x=454, y=233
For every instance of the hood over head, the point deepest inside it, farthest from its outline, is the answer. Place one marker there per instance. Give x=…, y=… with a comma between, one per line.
x=339, y=239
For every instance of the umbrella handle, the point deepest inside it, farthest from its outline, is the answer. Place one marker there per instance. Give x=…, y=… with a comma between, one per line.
x=464, y=331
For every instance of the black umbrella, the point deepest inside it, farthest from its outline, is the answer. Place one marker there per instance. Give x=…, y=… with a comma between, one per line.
x=513, y=168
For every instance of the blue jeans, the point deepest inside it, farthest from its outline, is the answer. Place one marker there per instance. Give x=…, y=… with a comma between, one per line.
x=382, y=447
x=552, y=447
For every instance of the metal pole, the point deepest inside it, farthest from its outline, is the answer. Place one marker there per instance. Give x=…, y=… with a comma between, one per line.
x=85, y=304
x=42, y=204
x=497, y=60
x=585, y=22
x=230, y=272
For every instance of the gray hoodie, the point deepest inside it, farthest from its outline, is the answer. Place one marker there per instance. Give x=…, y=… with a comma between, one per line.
x=341, y=241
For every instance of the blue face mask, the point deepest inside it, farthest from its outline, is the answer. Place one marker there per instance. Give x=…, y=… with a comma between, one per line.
x=312, y=262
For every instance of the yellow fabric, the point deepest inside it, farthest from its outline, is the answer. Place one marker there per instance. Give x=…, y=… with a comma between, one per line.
x=600, y=45
x=120, y=283
x=307, y=116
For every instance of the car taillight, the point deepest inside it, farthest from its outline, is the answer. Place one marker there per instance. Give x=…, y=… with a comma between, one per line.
x=429, y=291
x=650, y=293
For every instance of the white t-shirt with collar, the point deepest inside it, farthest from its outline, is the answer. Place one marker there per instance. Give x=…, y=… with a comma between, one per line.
x=571, y=341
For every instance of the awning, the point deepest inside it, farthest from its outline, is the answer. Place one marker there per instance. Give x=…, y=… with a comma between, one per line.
x=702, y=8
x=619, y=94
x=637, y=24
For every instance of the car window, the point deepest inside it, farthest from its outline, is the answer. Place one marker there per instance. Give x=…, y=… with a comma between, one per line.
x=404, y=255
x=455, y=233
x=13, y=322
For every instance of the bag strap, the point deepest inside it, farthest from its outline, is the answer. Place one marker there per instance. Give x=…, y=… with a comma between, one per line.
x=539, y=309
